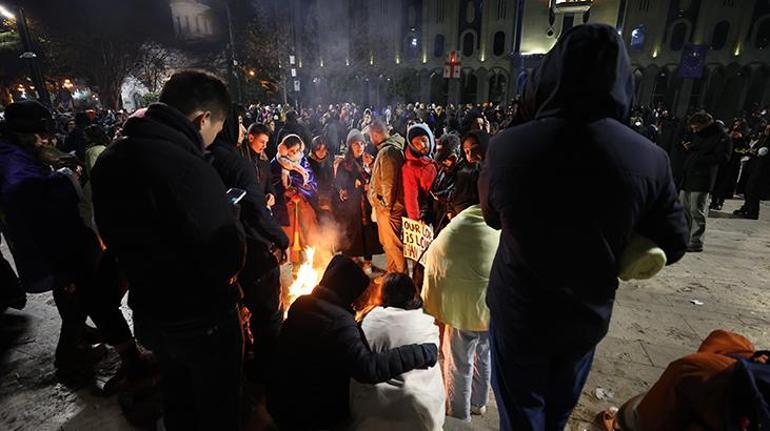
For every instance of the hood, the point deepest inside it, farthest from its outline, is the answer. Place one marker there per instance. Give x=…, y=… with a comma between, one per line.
x=481, y=137
x=355, y=135
x=586, y=76
x=417, y=129
x=345, y=278
x=395, y=140
x=162, y=122
x=229, y=134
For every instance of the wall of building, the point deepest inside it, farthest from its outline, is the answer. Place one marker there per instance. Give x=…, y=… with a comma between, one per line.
x=736, y=72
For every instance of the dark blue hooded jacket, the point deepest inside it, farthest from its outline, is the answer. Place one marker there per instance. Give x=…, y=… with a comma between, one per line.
x=568, y=189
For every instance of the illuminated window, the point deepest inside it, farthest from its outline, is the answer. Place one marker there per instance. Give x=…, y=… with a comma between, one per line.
x=638, y=36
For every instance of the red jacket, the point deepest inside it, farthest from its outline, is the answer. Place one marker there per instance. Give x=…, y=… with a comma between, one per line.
x=417, y=174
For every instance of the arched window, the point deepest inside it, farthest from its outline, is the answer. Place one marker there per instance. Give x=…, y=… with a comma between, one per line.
x=469, y=42
x=719, y=36
x=678, y=36
x=763, y=34
x=498, y=46
x=660, y=89
x=412, y=45
x=638, y=35
x=438, y=46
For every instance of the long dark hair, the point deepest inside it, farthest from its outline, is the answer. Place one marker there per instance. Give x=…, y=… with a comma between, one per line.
x=399, y=291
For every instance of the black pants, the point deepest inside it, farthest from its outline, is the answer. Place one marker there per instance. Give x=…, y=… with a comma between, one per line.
x=102, y=298
x=260, y=280
x=201, y=367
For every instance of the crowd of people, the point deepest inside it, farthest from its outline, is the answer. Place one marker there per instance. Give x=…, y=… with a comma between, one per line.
x=194, y=204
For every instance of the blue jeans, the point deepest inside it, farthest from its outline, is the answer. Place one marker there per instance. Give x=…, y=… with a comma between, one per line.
x=466, y=370
x=536, y=384
x=201, y=370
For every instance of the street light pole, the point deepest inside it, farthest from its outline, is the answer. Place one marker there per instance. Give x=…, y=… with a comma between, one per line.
x=32, y=58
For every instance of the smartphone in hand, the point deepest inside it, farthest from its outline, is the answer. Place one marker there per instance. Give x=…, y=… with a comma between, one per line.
x=235, y=195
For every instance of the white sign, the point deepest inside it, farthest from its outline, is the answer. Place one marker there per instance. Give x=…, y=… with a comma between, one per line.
x=416, y=236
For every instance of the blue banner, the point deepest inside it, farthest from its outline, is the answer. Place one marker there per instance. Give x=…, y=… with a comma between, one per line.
x=693, y=60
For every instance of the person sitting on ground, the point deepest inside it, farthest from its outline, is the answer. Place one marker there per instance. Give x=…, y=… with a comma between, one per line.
x=457, y=267
x=321, y=348
x=695, y=392
x=413, y=400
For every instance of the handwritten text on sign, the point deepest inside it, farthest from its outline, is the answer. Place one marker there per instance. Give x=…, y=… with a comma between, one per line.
x=417, y=236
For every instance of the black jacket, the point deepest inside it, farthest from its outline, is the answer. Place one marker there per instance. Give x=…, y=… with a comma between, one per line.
x=237, y=172
x=711, y=147
x=161, y=208
x=568, y=189
x=321, y=348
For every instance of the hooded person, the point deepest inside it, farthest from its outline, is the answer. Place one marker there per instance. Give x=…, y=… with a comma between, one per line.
x=554, y=276
x=321, y=348
x=266, y=243
x=296, y=193
x=418, y=172
x=351, y=207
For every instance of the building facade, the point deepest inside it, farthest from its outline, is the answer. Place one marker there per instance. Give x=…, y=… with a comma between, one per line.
x=385, y=51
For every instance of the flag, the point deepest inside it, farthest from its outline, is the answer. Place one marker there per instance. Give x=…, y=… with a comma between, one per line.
x=692, y=61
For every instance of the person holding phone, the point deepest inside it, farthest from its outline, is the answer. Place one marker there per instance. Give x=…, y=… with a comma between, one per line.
x=266, y=245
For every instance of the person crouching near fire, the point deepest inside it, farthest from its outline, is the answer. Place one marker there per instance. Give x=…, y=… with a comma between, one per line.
x=296, y=193
x=321, y=348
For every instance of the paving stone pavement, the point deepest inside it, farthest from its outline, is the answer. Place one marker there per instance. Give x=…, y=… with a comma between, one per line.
x=654, y=322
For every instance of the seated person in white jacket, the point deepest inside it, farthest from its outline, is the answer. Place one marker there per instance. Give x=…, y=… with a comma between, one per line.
x=457, y=267
x=414, y=400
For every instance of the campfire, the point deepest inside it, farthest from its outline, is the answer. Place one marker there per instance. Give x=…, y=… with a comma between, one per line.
x=305, y=280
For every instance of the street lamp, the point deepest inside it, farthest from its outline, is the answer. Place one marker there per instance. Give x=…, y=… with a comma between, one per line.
x=5, y=13
x=28, y=55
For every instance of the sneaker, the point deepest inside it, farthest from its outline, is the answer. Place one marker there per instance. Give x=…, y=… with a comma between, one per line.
x=694, y=249
x=478, y=410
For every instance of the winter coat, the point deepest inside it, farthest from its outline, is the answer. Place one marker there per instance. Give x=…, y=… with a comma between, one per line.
x=40, y=218
x=412, y=401
x=711, y=148
x=727, y=178
x=386, y=190
x=262, y=232
x=568, y=189
x=321, y=348
x=417, y=177
x=457, y=266
x=264, y=175
x=307, y=190
x=358, y=232
x=758, y=185
x=323, y=169
x=161, y=208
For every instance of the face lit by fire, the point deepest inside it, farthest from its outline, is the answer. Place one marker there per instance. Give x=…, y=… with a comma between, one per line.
x=258, y=143
x=421, y=144
x=294, y=152
x=357, y=148
x=472, y=151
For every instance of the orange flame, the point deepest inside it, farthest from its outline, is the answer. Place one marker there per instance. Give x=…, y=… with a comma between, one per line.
x=306, y=280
